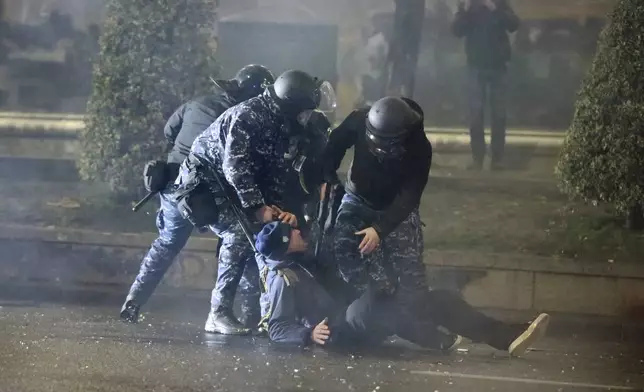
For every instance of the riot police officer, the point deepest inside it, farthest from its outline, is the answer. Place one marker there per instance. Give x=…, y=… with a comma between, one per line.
x=303, y=193
x=183, y=127
x=242, y=163
x=378, y=241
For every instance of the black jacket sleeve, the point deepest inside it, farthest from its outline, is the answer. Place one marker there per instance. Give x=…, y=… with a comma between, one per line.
x=173, y=126
x=283, y=325
x=408, y=198
x=340, y=140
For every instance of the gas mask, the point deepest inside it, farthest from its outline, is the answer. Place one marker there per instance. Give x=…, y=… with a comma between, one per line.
x=326, y=103
x=306, y=160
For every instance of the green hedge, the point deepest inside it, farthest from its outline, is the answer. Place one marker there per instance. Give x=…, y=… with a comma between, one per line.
x=602, y=159
x=155, y=54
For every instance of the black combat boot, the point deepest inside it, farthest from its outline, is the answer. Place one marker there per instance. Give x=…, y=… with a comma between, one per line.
x=130, y=312
x=223, y=321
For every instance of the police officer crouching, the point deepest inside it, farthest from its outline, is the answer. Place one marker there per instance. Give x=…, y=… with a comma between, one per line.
x=237, y=174
x=379, y=240
x=182, y=128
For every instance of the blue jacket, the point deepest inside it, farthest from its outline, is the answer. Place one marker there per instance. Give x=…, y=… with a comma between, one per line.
x=298, y=302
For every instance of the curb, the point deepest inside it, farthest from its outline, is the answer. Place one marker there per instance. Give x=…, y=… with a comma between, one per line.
x=33, y=119
x=433, y=257
x=51, y=126
x=38, y=136
x=446, y=168
x=541, y=264
x=94, y=238
x=45, y=126
x=562, y=325
x=61, y=143
x=42, y=115
x=65, y=146
x=513, y=282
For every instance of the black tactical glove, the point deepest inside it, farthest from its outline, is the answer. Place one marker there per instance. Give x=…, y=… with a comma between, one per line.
x=172, y=171
x=155, y=176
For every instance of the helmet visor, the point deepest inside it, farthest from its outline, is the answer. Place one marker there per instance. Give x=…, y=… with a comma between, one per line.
x=328, y=101
x=386, y=147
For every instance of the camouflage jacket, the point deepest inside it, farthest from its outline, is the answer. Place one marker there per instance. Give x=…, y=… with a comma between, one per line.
x=250, y=146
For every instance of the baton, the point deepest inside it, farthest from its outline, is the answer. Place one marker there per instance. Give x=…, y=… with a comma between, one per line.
x=142, y=202
x=241, y=219
x=323, y=214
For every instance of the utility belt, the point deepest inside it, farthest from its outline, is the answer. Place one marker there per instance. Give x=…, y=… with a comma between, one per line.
x=198, y=197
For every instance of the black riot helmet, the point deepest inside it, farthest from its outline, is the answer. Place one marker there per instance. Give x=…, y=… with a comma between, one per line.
x=252, y=80
x=389, y=122
x=299, y=94
x=297, y=90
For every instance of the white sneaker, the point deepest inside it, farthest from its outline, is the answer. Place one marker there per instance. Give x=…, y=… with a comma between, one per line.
x=534, y=332
x=457, y=342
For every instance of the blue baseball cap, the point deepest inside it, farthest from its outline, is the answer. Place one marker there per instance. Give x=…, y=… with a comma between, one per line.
x=273, y=240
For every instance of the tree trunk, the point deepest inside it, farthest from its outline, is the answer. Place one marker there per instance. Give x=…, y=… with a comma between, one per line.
x=404, y=46
x=635, y=218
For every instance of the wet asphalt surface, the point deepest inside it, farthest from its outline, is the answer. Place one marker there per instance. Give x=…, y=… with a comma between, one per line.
x=47, y=344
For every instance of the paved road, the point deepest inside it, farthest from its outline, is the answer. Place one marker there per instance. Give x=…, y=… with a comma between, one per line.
x=76, y=345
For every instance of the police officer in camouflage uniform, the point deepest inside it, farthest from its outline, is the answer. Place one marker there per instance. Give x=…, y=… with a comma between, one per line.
x=249, y=149
x=303, y=193
x=183, y=127
x=378, y=240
